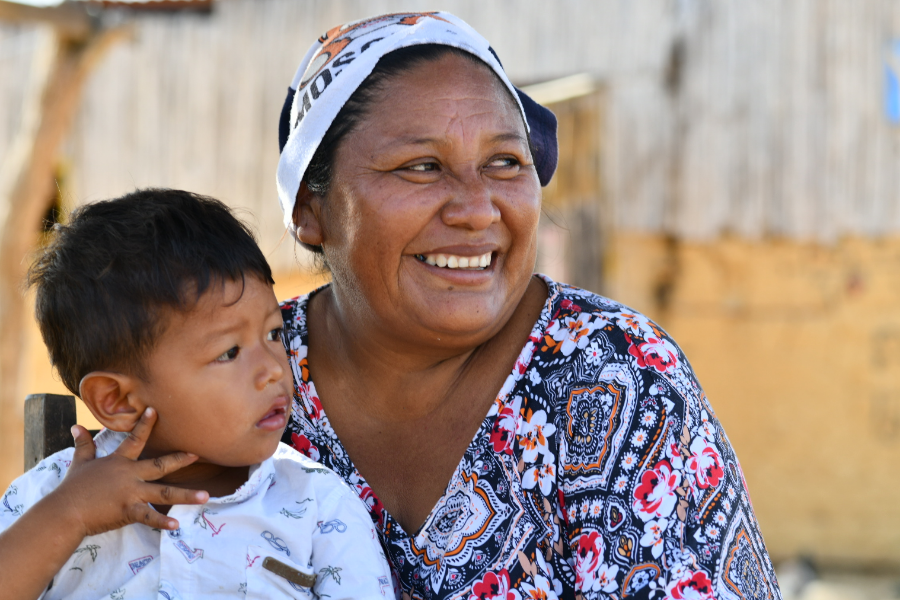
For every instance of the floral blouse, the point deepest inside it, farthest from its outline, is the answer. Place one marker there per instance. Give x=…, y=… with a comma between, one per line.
x=600, y=471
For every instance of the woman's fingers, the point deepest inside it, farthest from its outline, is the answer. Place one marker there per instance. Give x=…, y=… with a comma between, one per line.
x=146, y=514
x=84, y=445
x=133, y=445
x=167, y=495
x=152, y=469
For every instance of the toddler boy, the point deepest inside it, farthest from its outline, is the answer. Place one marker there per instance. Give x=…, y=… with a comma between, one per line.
x=158, y=311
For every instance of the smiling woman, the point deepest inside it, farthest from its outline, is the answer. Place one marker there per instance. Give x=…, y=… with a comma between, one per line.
x=513, y=437
x=446, y=176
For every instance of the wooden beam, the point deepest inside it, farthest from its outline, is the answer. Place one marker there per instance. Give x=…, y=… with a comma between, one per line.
x=48, y=421
x=26, y=187
x=69, y=19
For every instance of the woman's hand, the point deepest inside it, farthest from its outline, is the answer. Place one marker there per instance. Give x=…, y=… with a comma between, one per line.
x=111, y=492
x=96, y=495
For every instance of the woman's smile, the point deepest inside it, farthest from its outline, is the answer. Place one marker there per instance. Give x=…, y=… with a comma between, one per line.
x=454, y=261
x=458, y=270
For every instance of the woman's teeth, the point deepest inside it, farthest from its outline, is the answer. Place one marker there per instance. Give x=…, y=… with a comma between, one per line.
x=452, y=261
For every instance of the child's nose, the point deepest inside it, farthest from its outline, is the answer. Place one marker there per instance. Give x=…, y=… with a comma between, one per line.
x=272, y=369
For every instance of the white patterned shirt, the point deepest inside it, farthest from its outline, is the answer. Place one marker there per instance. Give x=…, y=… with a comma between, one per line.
x=291, y=510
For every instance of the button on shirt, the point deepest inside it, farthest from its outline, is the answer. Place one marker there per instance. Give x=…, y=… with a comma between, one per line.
x=290, y=510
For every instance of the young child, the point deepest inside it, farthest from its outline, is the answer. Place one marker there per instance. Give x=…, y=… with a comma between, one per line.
x=158, y=311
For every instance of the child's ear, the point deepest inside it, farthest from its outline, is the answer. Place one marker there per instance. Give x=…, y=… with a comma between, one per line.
x=111, y=399
x=307, y=215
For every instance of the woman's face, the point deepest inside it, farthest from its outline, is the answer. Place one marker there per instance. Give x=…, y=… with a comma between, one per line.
x=438, y=173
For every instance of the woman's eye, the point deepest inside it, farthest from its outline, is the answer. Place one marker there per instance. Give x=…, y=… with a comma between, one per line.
x=229, y=354
x=274, y=335
x=422, y=167
x=506, y=161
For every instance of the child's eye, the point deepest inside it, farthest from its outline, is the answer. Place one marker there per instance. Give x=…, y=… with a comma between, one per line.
x=274, y=335
x=229, y=354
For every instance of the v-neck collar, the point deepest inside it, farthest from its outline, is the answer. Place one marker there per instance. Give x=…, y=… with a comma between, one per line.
x=322, y=422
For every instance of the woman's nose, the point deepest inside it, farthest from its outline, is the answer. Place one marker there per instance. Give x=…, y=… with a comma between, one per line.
x=471, y=206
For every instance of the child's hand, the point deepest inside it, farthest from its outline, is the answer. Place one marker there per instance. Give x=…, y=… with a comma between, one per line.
x=110, y=492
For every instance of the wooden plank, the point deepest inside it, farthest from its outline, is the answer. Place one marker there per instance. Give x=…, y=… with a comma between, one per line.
x=778, y=128
x=48, y=422
x=69, y=19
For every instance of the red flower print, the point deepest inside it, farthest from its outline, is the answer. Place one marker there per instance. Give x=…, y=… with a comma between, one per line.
x=371, y=501
x=693, y=586
x=569, y=305
x=660, y=354
x=588, y=554
x=591, y=573
x=316, y=405
x=493, y=587
x=302, y=444
x=705, y=464
x=655, y=496
x=503, y=432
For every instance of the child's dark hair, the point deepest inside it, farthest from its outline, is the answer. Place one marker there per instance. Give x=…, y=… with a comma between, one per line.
x=104, y=279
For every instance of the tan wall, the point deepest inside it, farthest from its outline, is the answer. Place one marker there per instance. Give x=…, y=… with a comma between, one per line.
x=798, y=348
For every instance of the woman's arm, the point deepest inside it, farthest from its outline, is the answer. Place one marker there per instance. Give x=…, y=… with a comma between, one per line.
x=48, y=511
x=37, y=544
x=656, y=504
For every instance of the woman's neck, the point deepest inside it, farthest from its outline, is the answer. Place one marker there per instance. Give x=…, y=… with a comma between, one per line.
x=399, y=379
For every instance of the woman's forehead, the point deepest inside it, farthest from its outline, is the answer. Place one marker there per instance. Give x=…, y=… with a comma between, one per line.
x=437, y=96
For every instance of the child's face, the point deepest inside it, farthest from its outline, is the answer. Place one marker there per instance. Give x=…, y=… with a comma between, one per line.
x=219, y=377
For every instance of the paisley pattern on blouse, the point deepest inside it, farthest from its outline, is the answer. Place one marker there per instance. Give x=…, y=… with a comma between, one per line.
x=599, y=472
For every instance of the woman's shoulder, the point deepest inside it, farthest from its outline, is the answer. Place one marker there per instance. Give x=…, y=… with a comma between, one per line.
x=588, y=337
x=565, y=297
x=578, y=317
x=293, y=310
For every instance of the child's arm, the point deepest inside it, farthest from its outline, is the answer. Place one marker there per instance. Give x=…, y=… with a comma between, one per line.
x=95, y=496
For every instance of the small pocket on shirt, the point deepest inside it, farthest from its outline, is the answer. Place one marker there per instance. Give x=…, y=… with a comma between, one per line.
x=264, y=583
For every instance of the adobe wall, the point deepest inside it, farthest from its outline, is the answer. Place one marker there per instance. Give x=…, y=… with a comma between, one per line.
x=798, y=348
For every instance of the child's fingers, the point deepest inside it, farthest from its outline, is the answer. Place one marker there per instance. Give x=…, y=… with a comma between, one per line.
x=154, y=468
x=84, y=445
x=133, y=445
x=167, y=495
x=146, y=514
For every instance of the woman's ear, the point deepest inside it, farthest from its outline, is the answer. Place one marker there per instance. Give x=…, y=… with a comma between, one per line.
x=111, y=399
x=307, y=213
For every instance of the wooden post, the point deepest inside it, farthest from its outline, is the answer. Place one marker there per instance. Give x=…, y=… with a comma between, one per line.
x=26, y=178
x=48, y=421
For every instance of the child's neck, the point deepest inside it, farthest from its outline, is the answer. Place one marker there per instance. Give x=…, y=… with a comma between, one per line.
x=217, y=480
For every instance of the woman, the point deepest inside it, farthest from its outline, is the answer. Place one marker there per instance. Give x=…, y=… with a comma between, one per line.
x=512, y=437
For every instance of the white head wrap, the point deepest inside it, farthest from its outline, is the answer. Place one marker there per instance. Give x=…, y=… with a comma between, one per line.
x=340, y=61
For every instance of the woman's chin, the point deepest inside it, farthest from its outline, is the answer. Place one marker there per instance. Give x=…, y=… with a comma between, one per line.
x=467, y=321
x=458, y=306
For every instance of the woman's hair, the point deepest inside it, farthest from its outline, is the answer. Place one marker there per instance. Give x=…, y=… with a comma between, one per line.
x=319, y=173
x=106, y=279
